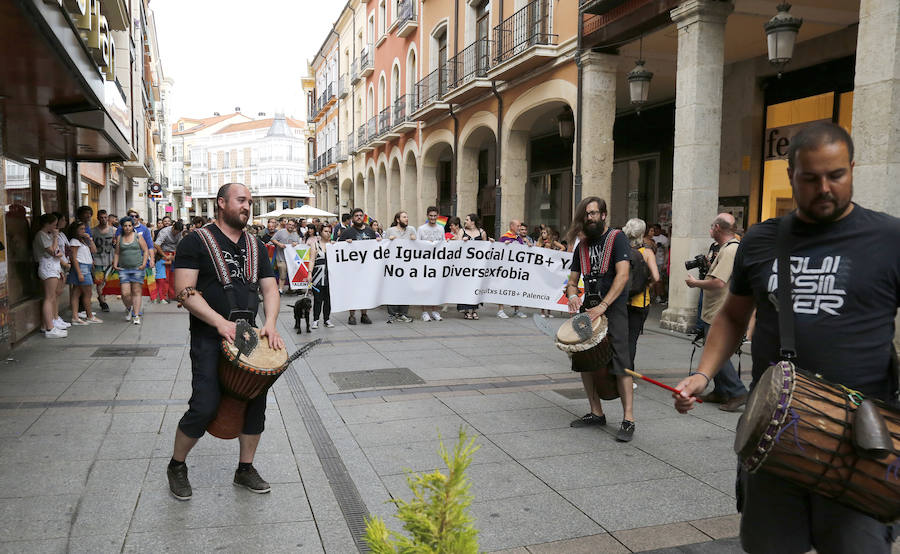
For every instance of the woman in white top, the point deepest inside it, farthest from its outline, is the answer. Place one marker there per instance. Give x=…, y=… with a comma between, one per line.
x=82, y=248
x=47, y=255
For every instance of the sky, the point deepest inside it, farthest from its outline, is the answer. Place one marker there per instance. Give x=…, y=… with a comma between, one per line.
x=227, y=53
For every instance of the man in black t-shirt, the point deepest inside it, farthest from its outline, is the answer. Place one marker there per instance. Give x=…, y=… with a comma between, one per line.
x=212, y=318
x=358, y=231
x=845, y=292
x=609, y=268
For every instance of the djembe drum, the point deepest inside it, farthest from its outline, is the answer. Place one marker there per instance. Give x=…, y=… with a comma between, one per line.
x=587, y=344
x=804, y=429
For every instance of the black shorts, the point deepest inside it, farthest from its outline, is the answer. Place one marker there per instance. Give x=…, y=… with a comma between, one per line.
x=205, y=353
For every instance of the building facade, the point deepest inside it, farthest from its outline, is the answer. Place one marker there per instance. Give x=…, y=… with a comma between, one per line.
x=268, y=155
x=79, y=117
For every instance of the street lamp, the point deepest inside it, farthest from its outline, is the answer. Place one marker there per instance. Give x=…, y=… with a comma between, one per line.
x=781, y=34
x=639, y=81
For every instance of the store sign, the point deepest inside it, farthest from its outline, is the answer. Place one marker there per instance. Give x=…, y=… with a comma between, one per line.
x=93, y=30
x=778, y=140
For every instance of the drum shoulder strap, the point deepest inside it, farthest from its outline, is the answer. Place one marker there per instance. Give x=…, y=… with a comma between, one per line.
x=585, y=253
x=215, y=253
x=788, y=351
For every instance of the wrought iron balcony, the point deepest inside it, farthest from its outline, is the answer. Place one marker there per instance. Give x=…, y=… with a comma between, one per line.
x=402, y=111
x=343, y=89
x=469, y=67
x=530, y=26
x=366, y=61
x=384, y=121
x=430, y=91
x=351, y=144
x=340, y=152
x=406, y=18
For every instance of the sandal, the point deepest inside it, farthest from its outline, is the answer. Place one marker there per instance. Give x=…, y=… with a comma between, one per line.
x=474, y=315
x=467, y=315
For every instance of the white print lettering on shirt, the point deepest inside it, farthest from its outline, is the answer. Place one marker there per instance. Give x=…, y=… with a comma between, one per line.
x=235, y=264
x=814, y=288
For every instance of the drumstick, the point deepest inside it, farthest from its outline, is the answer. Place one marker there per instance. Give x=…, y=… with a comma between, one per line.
x=657, y=383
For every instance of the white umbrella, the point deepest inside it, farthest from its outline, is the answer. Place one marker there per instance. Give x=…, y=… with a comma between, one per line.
x=307, y=211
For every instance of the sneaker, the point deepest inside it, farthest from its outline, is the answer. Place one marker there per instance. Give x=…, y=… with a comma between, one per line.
x=179, y=485
x=104, y=307
x=426, y=317
x=734, y=403
x=364, y=319
x=551, y=316
x=390, y=320
x=502, y=315
x=519, y=314
x=163, y=301
x=250, y=480
x=136, y=320
x=77, y=321
x=314, y=325
x=328, y=323
x=82, y=314
x=56, y=333
x=589, y=420
x=351, y=320
x=128, y=315
x=436, y=316
x=60, y=324
x=626, y=431
x=94, y=319
x=405, y=318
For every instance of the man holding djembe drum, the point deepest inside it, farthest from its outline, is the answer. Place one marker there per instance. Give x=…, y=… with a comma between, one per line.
x=819, y=425
x=221, y=251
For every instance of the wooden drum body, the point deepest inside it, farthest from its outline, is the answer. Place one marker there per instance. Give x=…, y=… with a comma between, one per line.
x=593, y=353
x=243, y=378
x=799, y=427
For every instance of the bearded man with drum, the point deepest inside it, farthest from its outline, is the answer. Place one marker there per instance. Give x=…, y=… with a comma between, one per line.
x=214, y=311
x=605, y=282
x=846, y=290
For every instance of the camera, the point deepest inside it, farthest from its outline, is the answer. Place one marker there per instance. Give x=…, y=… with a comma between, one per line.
x=699, y=262
x=592, y=296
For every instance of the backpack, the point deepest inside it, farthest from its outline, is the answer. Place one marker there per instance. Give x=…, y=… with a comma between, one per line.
x=640, y=273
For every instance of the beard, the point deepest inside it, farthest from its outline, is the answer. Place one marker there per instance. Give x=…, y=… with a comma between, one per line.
x=402, y=225
x=359, y=225
x=237, y=219
x=825, y=215
x=593, y=230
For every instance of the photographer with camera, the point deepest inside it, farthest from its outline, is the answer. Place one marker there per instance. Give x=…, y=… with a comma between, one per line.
x=714, y=279
x=602, y=259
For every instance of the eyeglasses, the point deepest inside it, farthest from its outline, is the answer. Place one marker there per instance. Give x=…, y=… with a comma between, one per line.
x=594, y=213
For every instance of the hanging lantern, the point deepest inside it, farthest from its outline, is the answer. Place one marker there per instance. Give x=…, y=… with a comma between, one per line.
x=781, y=34
x=639, y=84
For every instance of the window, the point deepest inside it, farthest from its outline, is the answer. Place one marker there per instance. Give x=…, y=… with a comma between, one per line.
x=371, y=30
x=227, y=160
x=382, y=18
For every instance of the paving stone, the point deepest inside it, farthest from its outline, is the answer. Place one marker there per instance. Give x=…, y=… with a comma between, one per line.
x=720, y=527
x=102, y=513
x=44, y=478
x=660, y=536
x=695, y=458
x=721, y=546
x=552, y=442
x=412, y=430
x=218, y=471
x=263, y=537
x=136, y=390
x=722, y=481
x=136, y=422
x=127, y=446
x=642, y=504
x=219, y=506
x=605, y=467
x=395, y=459
x=49, y=448
x=91, y=390
x=391, y=411
x=525, y=520
x=36, y=517
x=15, y=422
x=73, y=421
x=504, y=400
x=594, y=544
x=93, y=544
x=489, y=481
x=520, y=420
x=116, y=476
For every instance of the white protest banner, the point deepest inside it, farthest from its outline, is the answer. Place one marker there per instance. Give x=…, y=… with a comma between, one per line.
x=297, y=259
x=366, y=274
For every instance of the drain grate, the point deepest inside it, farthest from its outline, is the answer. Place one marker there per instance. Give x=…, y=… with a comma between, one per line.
x=345, y=492
x=375, y=378
x=126, y=352
x=571, y=394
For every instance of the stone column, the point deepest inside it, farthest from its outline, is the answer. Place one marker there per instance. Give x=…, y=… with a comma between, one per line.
x=513, y=178
x=698, y=129
x=210, y=208
x=876, y=107
x=598, y=112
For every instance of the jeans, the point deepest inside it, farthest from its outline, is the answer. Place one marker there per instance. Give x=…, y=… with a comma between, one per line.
x=727, y=382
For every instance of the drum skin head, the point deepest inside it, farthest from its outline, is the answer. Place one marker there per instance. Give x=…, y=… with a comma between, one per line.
x=576, y=331
x=262, y=357
x=757, y=416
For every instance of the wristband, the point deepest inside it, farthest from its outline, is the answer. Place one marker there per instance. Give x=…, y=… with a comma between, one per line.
x=701, y=374
x=604, y=304
x=573, y=295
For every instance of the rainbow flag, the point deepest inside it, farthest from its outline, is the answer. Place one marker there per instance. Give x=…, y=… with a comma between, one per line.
x=441, y=220
x=112, y=285
x=367, y=220
x=270, y=248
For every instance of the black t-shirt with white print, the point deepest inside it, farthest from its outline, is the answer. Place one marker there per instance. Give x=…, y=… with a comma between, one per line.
x=846, y=291
x=192, y=254
x=621, y=251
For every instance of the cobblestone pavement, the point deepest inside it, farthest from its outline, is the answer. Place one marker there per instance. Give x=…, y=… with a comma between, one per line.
x=87, y=422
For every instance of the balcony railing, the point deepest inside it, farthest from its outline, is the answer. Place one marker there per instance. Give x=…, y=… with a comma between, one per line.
x=351, y=144
x=384, y=121
x=431, y=88
x=530, y=26
x=340, y=153
x=361, y=136
x=343, y=89
x=372, y=128
x=401, y=109
x=471, y=63
x=365, y=59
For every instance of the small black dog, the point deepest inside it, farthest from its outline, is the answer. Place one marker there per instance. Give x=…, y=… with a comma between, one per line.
x=301, y=311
